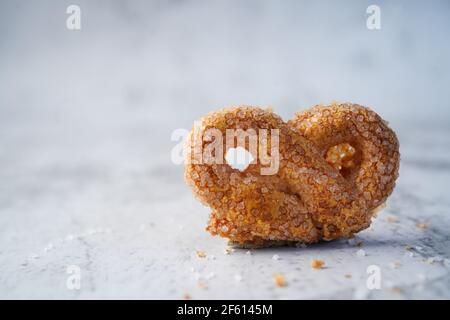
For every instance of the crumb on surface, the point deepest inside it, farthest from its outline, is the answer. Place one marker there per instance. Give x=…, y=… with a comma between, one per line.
x=348, y=276
x=317, y=264
x=202, y=285
x=187, y=296
x=228, y=251
x=201, y=254
x=421, y=226
x=279, y=280
x=395, y=290
x=395, y=265
x=392, y=219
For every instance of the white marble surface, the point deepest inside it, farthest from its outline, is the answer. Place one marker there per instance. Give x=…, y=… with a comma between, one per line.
x=85, y=122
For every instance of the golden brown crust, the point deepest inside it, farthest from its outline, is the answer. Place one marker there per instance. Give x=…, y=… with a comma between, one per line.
x=308, y=199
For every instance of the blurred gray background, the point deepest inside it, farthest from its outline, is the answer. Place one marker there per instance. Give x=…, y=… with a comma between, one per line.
x=162, y=64
x=86, y=116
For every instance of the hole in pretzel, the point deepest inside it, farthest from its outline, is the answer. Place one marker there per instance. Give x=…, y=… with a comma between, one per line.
x=343, y=157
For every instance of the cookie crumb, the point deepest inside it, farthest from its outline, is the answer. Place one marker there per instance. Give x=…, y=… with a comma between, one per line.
x=279, y=280
x=202, y=285
x=348, y=276
x=317, y=264
x=201, y=254
x=187, y=296
x=228, y=250
x=392, y=219
x=395, y=290
x=421, y=226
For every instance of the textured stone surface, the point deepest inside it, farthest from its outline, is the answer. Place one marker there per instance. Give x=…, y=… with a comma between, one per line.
x=85, y=124
x=133, y=228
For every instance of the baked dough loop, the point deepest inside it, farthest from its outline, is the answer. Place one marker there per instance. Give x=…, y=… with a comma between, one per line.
x=337, y=166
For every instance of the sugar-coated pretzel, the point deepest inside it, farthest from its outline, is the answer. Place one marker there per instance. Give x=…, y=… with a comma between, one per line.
x=338, y=164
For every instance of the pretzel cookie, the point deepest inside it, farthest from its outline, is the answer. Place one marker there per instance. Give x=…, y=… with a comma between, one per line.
x=335, y=166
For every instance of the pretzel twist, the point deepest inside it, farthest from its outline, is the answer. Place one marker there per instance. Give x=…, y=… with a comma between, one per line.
x=338, y=164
